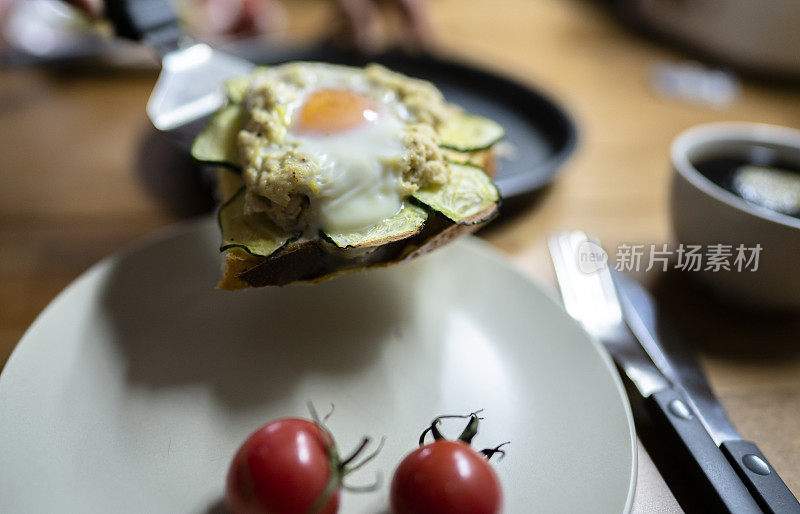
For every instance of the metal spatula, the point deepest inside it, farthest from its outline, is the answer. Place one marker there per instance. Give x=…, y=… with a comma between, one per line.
x=189, y=87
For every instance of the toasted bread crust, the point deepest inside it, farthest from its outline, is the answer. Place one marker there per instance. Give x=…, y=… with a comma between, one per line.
x=485, y=159
x=317, y=260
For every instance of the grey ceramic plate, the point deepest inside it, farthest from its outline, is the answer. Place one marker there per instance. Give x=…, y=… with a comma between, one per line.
x=132, y=390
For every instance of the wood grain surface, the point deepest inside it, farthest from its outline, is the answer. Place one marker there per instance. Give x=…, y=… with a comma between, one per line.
x=85, y=175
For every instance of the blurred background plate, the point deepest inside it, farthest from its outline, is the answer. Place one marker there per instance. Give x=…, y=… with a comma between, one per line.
x=133, y=389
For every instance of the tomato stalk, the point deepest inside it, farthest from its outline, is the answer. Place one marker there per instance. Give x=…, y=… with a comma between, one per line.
x=467, y=435
x=340, y=468
x=490, y=452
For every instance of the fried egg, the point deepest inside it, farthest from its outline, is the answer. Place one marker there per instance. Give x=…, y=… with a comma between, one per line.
x=351, y=131
x=353, y=140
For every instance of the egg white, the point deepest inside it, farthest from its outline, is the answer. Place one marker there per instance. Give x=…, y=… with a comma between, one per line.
x=356, y=171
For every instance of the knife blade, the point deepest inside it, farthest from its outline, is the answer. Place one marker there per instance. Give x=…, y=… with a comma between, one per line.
x=189, y=87
x=673, y=356
x=590, y=297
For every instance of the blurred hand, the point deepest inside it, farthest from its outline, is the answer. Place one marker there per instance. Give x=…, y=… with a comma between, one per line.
x=92, y=8
x=366, y=30
x=236, y=17
x=365, y=24
x=210, y=17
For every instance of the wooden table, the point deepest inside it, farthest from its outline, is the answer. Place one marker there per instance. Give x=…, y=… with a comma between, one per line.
x=82, y=178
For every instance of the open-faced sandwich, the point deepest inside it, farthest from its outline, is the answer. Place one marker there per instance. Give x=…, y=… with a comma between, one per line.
x=326, y=168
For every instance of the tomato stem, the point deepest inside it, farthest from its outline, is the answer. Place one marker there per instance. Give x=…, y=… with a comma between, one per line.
x=490, y=452
x=313, y=411
x=348, y=460
x=471, y=429
x=466, y=435
x=339, y=467
x=469, y=433
x=437, y=435
x=374, y=486
x=368, y=458
x=329, y=414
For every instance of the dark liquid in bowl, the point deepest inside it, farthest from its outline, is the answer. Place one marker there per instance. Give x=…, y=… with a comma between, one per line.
x=773, y=184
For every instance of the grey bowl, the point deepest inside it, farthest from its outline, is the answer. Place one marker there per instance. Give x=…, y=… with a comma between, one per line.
x=704, y=213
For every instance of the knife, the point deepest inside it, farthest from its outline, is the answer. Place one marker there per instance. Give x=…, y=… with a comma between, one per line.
x=590, y=297
x=189, y=87
x=673, y=357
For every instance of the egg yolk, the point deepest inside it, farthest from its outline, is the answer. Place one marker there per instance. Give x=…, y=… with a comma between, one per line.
x=335, y=110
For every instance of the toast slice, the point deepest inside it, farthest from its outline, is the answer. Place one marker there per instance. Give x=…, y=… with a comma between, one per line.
x=261, y=248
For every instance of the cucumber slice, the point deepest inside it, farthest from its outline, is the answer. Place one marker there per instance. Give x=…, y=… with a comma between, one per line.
x=253, y=233
x=470, y=132
x=216, y=143
x=236, y=89
x=456, y=157
x=405, y=223
x=228, y=184
x=469, y=196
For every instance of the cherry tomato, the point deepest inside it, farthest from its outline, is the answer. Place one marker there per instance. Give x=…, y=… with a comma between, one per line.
x=282, y=468
x=447, y=477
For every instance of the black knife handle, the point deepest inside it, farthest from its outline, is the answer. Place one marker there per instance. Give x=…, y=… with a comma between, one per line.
x=151, y=21
x=760, y=477
x=721, y=487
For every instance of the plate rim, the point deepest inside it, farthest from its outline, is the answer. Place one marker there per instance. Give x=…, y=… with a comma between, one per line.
x=480, y=246
x=500, y=259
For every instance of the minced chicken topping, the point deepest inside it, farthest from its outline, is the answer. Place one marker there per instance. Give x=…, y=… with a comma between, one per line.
x=282, y=177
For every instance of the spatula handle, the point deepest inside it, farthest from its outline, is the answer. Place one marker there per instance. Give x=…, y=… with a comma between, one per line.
x=151, y=21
